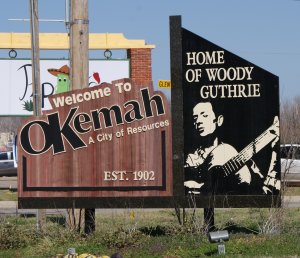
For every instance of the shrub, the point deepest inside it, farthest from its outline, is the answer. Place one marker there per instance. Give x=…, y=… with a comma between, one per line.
x=14, y=236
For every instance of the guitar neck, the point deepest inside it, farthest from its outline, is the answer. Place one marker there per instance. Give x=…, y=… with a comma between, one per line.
x=237, y=162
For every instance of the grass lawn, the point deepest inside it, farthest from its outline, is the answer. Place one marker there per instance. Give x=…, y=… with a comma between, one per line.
x=7, y=195
x=157, y=233
x=290, y=191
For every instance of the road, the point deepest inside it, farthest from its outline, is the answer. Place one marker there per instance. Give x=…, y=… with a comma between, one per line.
x=10, y=207
x=7, y=168
x=8, y=183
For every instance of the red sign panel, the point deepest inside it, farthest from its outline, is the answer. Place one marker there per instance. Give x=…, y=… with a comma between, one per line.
x=111, y=140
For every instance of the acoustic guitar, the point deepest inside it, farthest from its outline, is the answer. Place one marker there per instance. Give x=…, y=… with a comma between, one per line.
x=224, y=169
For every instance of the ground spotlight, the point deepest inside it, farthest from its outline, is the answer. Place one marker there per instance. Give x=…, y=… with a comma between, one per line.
x=219, y=237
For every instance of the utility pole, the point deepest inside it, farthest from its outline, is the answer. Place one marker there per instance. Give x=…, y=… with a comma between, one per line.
x=35, y=57
x=79, y=62
x=79, y=44
x=36, y=84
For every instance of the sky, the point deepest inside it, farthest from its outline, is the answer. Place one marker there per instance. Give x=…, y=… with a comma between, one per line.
x=264, y=32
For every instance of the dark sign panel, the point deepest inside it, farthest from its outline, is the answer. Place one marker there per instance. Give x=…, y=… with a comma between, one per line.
x=107, y=141
x=231, y=123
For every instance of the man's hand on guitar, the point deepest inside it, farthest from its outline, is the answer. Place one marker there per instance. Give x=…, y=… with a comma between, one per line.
x=275, y=131
x=193, y=160
x=255, y=169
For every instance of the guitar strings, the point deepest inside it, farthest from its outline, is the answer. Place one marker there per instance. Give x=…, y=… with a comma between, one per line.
x=245, y=151
x=239, y=160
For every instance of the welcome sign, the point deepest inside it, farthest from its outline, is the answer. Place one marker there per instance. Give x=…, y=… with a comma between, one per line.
x=111, y=140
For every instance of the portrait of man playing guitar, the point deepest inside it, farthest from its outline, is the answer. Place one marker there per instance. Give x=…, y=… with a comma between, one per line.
x=216, y=167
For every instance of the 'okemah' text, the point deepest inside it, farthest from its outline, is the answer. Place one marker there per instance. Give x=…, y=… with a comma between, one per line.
x=58, y=131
